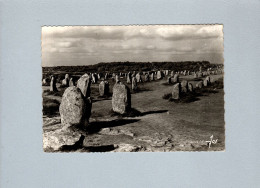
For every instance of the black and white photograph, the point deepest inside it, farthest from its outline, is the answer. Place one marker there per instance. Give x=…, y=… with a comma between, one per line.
x=133, y=88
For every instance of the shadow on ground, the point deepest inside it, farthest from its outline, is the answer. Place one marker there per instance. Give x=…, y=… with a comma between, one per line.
x=136, y=113
x=79, y=146
x=95, y=127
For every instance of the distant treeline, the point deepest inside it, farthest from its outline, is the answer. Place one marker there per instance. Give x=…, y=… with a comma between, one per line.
x=133, y=66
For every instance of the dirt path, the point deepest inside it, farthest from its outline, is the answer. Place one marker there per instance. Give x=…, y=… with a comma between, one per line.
x=185, y=126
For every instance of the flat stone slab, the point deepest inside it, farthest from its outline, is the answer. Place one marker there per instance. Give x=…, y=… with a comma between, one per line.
x=54, y=140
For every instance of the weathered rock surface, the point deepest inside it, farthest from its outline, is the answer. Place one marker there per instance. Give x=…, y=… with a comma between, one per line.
x=55, y=140
x=74, y=108
x=134, y=84
x=138, y=77
x=84, y=85
x=53, y=84
x=127, y=148
x=117, y=79
x=71, y=83
x=205, y=82
x=184, y=86
x=176, y=91
x=159, y=75
x=190, y=87
x=103, y=88
x=44, y=81
x=199, y=84
x=146, y=78
x=128, y=78
x=176, y=78
x=209, y=79
x=121, y=99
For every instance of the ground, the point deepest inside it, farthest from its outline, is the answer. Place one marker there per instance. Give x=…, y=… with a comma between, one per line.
x=161, y=125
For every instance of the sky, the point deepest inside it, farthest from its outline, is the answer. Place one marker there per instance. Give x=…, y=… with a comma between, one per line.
x=87, y=45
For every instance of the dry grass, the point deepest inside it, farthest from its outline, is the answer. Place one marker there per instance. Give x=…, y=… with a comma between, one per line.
x=50, y=107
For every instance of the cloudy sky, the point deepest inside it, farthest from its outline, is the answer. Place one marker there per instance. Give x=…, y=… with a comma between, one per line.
x=85, y=45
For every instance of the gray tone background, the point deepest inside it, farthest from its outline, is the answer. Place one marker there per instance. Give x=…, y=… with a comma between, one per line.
x=23, y=162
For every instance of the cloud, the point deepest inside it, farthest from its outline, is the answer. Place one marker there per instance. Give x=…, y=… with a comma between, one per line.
x=79, y=45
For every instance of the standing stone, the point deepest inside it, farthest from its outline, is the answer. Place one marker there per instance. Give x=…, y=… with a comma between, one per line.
x=53, y=84
x=74, y=109
x=199, y=75
x=205, y=82
x=134, y=84
x=138, y=77
x=94, y=78
x=84, y=85
x=128, y=78
x=176, y=78
x=104, y=88
x=99, y=77
x=190, y=87
x=71, y=82
x=166, y=72
x=44, y=82
x=172, y=73
x=152, y=77
x=209, y=79
x=159, y=75
x=176, y=91
x=184, y=86
x=117, y=79
x=146, y=77
x=65, y=81
x=195, y=75
x=106, y=76
x=169, y=80
x=121, y=99
x=199, y=85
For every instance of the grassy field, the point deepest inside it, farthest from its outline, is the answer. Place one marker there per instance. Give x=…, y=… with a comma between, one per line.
x=156, y=124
